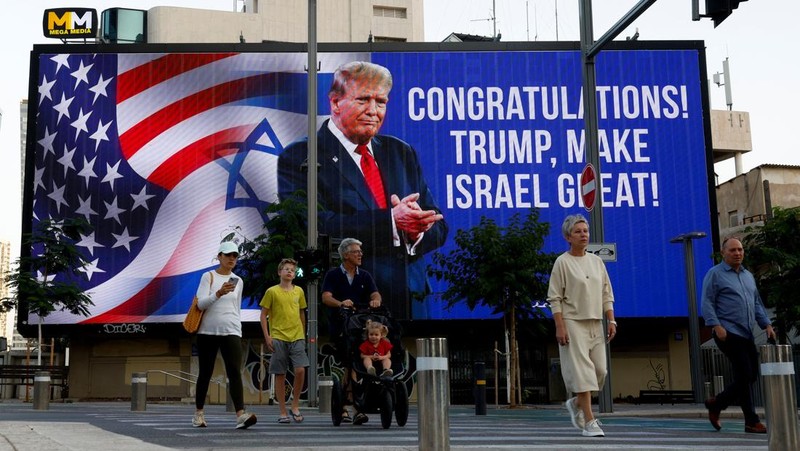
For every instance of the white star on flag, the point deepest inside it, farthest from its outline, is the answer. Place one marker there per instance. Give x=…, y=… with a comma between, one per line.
x=61, y=60
x=85, y=208
x=113, y=210
x=82, y=74
x=63, y=107
x=140, y=200
x=112, y=173
x=101, y=133
x=89, y=242
x=47, y=141
x=87, y=172
x=124, y=239
x=44, y=89
x=80, y=123
x=66, y=159
x=91, y=268
x=99, y=89
x=58, y=196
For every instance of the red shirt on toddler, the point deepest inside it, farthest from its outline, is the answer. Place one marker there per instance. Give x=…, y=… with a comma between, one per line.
x=382, y=348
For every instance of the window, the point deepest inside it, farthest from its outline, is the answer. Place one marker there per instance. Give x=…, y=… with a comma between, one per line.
x=388, y=11
x=388, y=39
x=733, y=218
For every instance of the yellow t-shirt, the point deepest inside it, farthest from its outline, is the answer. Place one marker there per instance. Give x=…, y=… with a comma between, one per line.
x=284, y=312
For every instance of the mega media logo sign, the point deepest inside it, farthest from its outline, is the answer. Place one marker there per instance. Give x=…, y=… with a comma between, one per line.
x=66, y=23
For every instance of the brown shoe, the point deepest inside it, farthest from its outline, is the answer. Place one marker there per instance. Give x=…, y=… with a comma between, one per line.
x=757, y=428
x=713, y=413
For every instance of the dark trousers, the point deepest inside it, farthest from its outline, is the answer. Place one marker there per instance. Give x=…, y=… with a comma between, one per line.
x=231, y=348
x=742, y=354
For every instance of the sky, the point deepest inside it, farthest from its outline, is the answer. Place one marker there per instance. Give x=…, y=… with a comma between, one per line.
x=757, y=39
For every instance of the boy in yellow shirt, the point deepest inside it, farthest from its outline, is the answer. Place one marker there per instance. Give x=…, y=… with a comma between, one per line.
x=284, y=325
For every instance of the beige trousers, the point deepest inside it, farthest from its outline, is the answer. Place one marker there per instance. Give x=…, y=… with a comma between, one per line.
x=583, y=360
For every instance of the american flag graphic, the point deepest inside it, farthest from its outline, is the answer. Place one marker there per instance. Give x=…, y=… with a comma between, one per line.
x=163, y=154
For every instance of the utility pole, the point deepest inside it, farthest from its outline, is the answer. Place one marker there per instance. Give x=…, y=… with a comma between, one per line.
x=590, y=49
x=312, y=287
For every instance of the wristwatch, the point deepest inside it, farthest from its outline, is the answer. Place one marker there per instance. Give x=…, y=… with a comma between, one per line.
x=612, y=322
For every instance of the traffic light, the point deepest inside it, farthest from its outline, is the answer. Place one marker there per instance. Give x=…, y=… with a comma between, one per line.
x=719, y=10
x=311, y=264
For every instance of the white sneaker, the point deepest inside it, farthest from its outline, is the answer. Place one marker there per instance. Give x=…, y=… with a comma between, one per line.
x=592, y=429
x=199, y=420
x=245, y=420
x=575, y=414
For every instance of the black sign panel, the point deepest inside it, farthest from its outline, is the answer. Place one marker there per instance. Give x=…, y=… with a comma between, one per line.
x=70, y=23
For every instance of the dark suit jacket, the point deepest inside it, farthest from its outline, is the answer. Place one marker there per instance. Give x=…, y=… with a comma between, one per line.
x=349, y=210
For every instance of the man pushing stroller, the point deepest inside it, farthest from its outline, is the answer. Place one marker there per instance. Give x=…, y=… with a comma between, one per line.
x=348, y=286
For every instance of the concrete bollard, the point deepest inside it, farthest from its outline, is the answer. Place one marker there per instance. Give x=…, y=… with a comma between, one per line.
x=325, y=393
x=479, y=374
x=138, y=392
x=433, y=382
x=777, y=377
x=706, y=390
x=41, y=390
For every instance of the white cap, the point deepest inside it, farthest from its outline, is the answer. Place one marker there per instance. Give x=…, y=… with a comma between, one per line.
x=228, y=247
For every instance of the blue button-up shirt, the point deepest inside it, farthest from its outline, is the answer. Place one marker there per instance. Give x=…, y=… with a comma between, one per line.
x=731, y=299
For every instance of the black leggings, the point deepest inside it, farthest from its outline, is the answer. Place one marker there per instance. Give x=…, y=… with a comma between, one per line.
x=231, y=348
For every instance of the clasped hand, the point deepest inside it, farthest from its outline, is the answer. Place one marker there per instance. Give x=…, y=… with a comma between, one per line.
x=410, y=217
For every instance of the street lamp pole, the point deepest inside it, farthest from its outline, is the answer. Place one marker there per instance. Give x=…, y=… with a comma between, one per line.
x=694, y=327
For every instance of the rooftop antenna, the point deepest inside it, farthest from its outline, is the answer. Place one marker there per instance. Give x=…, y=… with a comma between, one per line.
x=494, y=22
x=725, y=80
x=556, y=3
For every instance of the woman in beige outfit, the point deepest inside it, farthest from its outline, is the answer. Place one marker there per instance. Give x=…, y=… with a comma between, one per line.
x=580, y=295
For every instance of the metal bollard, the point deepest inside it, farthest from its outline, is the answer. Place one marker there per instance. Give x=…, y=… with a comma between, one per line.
x=706, y=390
x=479, y=374
x=433, y=382
x=777, y=376
x=325, y=393
x=41, y=390
x=138, y=392
x=719, y=385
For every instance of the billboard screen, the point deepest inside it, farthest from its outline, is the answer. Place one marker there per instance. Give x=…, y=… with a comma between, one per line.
x=165, y=153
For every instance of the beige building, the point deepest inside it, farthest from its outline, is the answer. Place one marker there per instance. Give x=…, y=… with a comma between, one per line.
x=747, y=199
x=6, y=318
x=287, y=21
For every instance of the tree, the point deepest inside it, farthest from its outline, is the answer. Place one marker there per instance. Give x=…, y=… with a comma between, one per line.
x=284, y=234
x=502, y=268
x=773, y=255
x=46, y=280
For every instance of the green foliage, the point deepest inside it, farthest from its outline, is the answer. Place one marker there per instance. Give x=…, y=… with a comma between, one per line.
x=772, y=252
x=46, y=280
x=502, y=267
x=284, y=234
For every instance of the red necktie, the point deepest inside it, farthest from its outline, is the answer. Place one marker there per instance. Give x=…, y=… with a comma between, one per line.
x=372, y=175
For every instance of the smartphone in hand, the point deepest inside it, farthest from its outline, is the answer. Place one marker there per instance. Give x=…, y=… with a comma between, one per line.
x=234, y=281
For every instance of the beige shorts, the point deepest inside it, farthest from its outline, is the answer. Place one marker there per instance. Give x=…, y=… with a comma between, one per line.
x=583, y=360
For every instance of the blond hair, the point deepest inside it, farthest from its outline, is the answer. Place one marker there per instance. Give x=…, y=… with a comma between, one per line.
x=376, y=325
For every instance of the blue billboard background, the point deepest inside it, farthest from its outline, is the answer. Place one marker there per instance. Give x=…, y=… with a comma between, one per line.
x=500, y=132
x=165, y=153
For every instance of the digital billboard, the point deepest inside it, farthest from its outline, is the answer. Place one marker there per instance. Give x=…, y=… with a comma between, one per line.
x=165, y=153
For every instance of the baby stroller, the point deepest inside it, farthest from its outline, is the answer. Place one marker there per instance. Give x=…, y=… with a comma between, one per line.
x=372, y=394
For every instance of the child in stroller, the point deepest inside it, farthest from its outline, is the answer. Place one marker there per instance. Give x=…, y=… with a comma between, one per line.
x=376, y=348
x=386, y=393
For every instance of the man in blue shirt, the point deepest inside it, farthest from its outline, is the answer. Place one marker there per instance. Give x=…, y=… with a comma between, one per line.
x=348, y=286
x=732, y=306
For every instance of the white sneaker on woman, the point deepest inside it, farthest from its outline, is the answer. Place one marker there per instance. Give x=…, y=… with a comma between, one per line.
x=245, y=420
x=592, y=429
x=199, y=420
x=575, y=414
